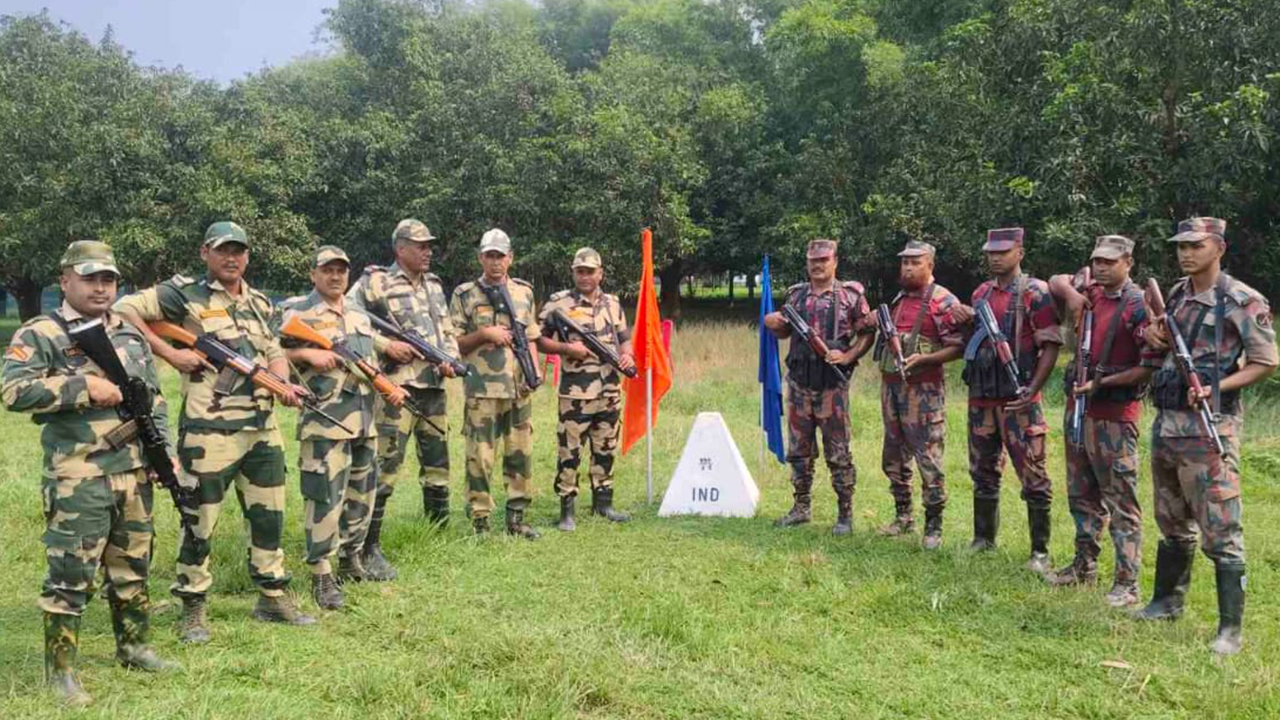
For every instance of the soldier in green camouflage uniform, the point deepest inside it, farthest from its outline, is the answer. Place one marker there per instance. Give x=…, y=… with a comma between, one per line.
x=499, y=406
x=1228, y=331
x=590, y=389
x=227, y=433
x=97, y=495
x=339, y=477
x=409, y=296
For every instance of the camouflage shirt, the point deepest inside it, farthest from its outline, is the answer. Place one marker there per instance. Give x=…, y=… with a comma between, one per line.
x=343, y=392
x=390, y=294
x=44, y=374
x=590, y=378
x=242, y=323
x=497, y=375
x=937, y=330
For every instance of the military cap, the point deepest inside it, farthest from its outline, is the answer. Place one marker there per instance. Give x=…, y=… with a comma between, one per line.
x=1002, y=239
x=496, y=240
x=915, y=248
x=330, y=253
x=87, y=257
x=820, y=248
x=1200, y=228
x=1112, y=247
x=414, y=230
x=587, y=257
x=221, y=233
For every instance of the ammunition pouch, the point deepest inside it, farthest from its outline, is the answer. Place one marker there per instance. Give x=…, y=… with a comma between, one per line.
x=986, y=377
x=1169, y=390
x=806, y=369
x=887, y=363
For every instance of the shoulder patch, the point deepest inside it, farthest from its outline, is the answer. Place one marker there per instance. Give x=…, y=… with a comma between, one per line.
x=17, y=353
x=465, y=287
x=853, y=285
x=518, y=281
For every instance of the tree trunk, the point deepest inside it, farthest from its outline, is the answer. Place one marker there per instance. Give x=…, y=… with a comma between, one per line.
x=669, y=299
x=751, y=286
x=27, y=292
x=731, y=287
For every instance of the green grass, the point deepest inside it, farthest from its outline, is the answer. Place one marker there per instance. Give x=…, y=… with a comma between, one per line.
x=674, y=618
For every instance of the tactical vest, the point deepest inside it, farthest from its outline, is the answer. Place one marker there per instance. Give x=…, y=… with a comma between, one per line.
x=1102, y=367
x=804, y=367
x=1169, y=388
x=984, y=374
x=912, y=343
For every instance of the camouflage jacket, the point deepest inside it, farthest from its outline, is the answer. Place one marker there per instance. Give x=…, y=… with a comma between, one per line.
x=589, y=378
x=44, y=374
x=242, y=323
x=343, y=392
x=388, y=293
x=497, y=374
x=1247, y=334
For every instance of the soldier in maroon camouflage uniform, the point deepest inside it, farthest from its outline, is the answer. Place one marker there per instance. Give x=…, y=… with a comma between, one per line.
x=915, y=412
x=999, y=418
x=817, y=395
x=1227, y=328
x=1102, y=472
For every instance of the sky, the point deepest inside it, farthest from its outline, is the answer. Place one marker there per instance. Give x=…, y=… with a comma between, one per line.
x=212, y=39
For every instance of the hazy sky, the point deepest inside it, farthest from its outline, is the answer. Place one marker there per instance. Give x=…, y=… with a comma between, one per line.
x=214, y=39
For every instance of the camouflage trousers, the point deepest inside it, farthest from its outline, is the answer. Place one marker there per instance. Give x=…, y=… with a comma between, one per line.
x=96, y=522
x=914, y=428
x=339, y=481
x=254, y=461
x=596, y=422
x=808, y=413
x=1196, y=489
x=1102, y=487
x=995, y=430
x=488, y=421
x=395, y=426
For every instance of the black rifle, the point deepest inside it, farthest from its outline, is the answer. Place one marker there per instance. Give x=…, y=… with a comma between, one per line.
x=892, y=338
x=500, y=299
x=566, y=325
x=136, y=412
x=813, y=339
x=989, y=329
x=429, y=352
x=1186, y=366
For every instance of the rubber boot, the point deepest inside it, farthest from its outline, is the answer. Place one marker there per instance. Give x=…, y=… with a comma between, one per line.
x=435, y=504
x=280, y=609
x=518, y=527
x=1173, y=578
x=986, y=523
x=324, y=590
x=351, y=569
x=602, y=505
x=567, y=523
x=61, y=642
x=903, y=522
x=932, y=527
x=131, y=622
x=1038, y=522
x=480, y=525
x=801, y=512
x=1083, y=570
x=844, y=513
x=376, y=566
x=194, y=626
x=1231, y=586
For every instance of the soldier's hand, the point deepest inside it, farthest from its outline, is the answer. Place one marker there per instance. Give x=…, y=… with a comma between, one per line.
x=577, y=351
x=498, y=335
x=397, y=397
x=961, y=314
x=911, y=361
x=185, y=361
x=322, y=360
x=1195, y=396
x=835, y=357
x=1157, y=336
x=626, y=361
x=103, y=392
x=1022, y=403
x=401, y=352
x=1087, y=388
x=1077, y=305
x=775, y=321
x=292, y=395
x=446, y=370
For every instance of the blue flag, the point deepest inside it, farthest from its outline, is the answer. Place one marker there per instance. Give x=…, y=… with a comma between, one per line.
x=770, y=374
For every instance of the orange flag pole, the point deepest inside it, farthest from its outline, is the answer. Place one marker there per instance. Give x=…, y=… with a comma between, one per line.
x=643, y=395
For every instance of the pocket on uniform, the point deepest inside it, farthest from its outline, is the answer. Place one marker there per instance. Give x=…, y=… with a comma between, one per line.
x=314, y=479
x=1223, y=486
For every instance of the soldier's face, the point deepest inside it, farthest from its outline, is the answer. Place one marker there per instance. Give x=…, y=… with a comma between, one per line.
x=495, y=265
x=414, y=256
x=1196, y=257
x=587, y=279
x=1111, y=273
x=90, y=295
x=330, y=279
x=227, y=262
x=915, y=271
x=1003, y=262
x=821, y=269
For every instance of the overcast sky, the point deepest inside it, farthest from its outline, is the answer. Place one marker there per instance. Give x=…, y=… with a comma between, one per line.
x=212, y=39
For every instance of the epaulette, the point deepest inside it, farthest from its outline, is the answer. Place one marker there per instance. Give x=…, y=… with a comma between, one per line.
x=182, y=280
x=1243, y=294
x=560, y=294
x=431, y=277
x=853, y=285
x=518, y=281
x=371, y=269
x=291, y=301
x=795, y=289
x=1178, y=287
x=464, y=287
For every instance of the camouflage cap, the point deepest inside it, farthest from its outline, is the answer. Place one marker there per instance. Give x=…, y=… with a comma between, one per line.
x=223, y=232
x=915, y=248
x=414, y=230
x=495, y=240
x=330, y=253
x=1112, y=247
x=87, y=257
x=1200, y=228
x=587, y=257
x=1002, y=239
x=820, y=248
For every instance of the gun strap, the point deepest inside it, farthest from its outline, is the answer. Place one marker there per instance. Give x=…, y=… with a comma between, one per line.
x=1219, y=318
x=1129, y=294
x=1017, y=316
x=914, y=338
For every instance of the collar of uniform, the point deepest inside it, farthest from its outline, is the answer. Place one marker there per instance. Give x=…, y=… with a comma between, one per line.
x=396, y=269
x=216, y=284
x=316, y=300
x=583, y=299
x=815, y=293
x=482, y=283
x=70, y=314
x=1118, y=293
x=1011, y=287
x=1208, y=297
x=916, y=293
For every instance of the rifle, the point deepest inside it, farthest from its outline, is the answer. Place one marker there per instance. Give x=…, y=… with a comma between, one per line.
x=219, y=357
x=1182, y=356
x=814, y=340
x=989, y=329
x=566, y=325
x=1084, y=358
x=136, y=412
x=393, y=393
x=429, y=352
x=500, y=299
x=892, y=338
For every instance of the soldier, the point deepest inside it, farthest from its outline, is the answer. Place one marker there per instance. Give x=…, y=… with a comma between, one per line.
x=227, y=433
x=408, y=295
x=915, y=411
x=1227, y=328
x=339, y=479
x=590, y=389
x=817, y=393
x=498, y=403
x=97, y=495
x=1102, y=472
x=1000, y=418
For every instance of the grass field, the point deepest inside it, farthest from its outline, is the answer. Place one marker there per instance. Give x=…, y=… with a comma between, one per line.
x=666, y=618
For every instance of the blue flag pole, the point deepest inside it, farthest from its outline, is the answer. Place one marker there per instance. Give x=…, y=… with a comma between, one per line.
x=769, y=374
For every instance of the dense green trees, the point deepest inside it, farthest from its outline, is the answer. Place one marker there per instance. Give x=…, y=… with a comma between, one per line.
x=733, y=127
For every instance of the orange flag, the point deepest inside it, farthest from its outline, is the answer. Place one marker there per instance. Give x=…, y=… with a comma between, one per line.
x=650, y=353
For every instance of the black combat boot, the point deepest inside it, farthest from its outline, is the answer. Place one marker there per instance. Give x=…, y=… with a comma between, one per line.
x=376, y=566
x=932, y=527
x=324, y=590
x=986, y=523
x=194, y=626
x=280, y=609
x=904, y=523
x=602, y=505
x=801, y=512
x=480, y=525
x=844, y=513
x=1173, y=578
x=1038, y=522
x=351, y=568
x=435, y=504
x=61, y=642
x=131, y=622
x=567, y=523
x=1231, y=585
x=518, y=527
x=1083, y=570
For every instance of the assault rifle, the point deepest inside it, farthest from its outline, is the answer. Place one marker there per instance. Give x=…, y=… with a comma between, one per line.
x=891, y=338
x=565, y=325
x=814, y=340
x=989, y=329
x=1182, y=356
x=1084, y=358
x=500, y=299
x=429, y=352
